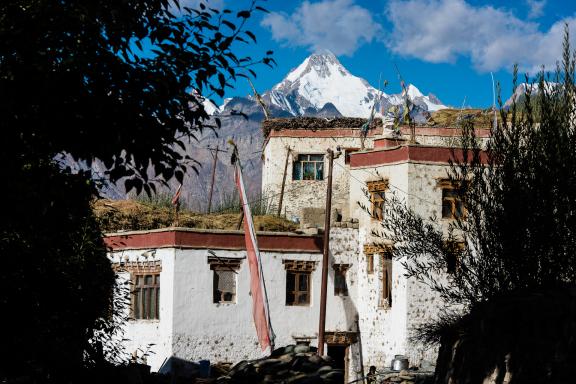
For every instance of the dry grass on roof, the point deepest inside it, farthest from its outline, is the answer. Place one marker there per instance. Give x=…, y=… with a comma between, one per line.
x=481, y=118
x=316, y=123
x=123, y=215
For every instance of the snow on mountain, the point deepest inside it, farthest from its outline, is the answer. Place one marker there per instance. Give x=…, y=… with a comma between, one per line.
x=322, y=86
x=210, y=107
x=319, y=80
x=431, y=102
x=322, y=79
x=534, y=88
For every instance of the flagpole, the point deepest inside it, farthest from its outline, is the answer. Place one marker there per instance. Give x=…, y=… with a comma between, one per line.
x=176, y=204
x=495, y=124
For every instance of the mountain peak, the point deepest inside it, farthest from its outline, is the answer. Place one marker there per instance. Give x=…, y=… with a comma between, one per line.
x=321, y=79
x=322, y=63
x=414, y=92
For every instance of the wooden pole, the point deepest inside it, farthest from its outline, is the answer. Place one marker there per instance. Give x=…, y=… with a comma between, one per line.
x=324, y=284
x=212, y=182
x=283, y=182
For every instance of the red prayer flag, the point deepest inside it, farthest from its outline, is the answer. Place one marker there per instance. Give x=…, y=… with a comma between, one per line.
x=257, y=289
x=176, y=198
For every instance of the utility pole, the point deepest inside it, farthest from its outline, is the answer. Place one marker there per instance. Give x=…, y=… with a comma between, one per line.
x=324, y=284
x=212, y=182
x=283, y=182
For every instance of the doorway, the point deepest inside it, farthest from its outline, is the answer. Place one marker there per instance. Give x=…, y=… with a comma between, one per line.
x=339, y=353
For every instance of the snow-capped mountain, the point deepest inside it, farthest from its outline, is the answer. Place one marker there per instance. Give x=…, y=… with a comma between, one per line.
x=521, y=89
x=321, y=79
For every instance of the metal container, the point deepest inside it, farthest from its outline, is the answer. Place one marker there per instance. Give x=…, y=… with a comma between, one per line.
x=399, y=363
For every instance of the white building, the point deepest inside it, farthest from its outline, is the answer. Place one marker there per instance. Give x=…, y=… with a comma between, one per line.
x=203, y=308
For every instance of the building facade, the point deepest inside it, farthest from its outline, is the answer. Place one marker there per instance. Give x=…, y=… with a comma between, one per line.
x=191, y=287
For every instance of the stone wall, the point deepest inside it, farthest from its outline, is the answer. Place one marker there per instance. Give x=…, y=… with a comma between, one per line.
x=299, y=194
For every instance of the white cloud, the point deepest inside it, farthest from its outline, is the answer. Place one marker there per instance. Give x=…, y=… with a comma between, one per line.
x=536, y=8
x=493, y=38
x=338, y=25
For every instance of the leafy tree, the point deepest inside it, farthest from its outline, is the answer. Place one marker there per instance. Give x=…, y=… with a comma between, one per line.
x=519, y=232
x=120, y=81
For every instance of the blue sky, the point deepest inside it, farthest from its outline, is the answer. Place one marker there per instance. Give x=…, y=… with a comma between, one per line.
x=447, y=47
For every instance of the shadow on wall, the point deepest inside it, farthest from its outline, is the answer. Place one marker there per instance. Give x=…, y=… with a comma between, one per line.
x=520, y=338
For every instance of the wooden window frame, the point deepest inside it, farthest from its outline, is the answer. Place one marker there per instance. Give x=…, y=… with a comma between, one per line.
x=454, y=201
x=141, y=304
x=299, y=269
x=377, y=191
x=297, y=293
x=220, y=264
x=145, y=302
x=303, y=159
x=341, y=270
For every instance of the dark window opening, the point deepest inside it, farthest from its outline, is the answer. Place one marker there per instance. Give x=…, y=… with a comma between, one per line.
x=340, y=283
x=386, y=291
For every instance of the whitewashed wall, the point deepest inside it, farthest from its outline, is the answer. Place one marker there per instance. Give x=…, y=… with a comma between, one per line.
x=192, y=327
x=141, y=334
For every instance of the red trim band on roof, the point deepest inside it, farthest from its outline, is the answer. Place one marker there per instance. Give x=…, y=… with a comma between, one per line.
x=186, y=238
x=332, y=132
x=412, y=153
x=444, y=132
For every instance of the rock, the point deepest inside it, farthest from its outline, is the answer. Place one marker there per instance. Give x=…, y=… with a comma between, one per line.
x=334, y=376
x=406, y=377
x=328, y=359
x=315, y=359
x=324, y=369
x=301, y=349
x=389, y=376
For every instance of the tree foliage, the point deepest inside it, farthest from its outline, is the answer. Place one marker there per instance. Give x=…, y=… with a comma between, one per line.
x=119, y=81
x=115, y=80
x=519, y=232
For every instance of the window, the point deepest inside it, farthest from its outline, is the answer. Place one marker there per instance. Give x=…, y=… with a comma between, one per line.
x=297, y=288
x=340, y=284
x=370, y=263
x=377, y=191
x=308, y=167
x=454, y=250
x=369, y=251
x=452, y=206
x=145, y=287
x=386, y=280
x=146, y=296
x=298, y=274
x=224, y=289
x=224, y=279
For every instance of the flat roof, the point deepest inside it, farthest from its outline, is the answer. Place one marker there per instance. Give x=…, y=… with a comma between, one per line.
x=191, y=238
x=409, y=153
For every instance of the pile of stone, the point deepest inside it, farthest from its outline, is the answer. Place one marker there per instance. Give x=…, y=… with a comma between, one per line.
x=293, y=364
x=405, y=377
